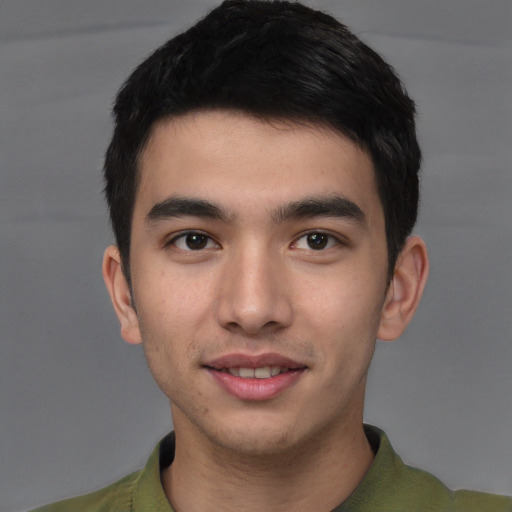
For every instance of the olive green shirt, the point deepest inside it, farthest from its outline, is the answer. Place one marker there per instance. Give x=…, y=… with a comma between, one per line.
x=388, y=486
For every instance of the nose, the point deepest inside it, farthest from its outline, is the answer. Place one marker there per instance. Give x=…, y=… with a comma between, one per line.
x=253, y=296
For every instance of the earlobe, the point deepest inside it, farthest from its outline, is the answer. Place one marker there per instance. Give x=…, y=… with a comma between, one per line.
x=120, y=294
x=405, y=289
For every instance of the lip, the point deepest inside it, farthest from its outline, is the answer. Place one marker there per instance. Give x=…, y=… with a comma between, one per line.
x=256, y=361
x=255, y=389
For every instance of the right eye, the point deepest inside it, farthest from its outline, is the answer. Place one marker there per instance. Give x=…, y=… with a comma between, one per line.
x=193, y=241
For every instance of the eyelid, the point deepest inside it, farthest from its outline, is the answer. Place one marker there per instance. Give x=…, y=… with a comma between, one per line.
x=181, y=235
x=336, y=238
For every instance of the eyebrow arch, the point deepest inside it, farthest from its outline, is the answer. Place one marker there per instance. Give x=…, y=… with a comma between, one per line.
x=173, y=207
x=335, y=206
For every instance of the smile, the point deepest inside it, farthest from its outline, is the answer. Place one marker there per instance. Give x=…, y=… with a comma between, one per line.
x=265, y=372
x=255, y=378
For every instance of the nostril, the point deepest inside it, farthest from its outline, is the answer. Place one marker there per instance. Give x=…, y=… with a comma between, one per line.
x=252, y=298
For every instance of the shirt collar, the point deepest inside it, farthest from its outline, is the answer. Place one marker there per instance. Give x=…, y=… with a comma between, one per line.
x=149, y=495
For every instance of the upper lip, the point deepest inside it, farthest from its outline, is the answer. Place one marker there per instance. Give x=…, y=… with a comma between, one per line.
x=253, y=361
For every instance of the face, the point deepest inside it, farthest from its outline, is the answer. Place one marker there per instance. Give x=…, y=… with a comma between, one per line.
x=259, y=274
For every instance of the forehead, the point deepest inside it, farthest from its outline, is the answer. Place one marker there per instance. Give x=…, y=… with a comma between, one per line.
x=239, y=161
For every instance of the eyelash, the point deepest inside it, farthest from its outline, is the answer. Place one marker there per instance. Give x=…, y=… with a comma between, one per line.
x=330, y=241
x=184, y=235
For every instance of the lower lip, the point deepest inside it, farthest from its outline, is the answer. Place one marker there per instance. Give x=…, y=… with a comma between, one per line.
x=256, y=389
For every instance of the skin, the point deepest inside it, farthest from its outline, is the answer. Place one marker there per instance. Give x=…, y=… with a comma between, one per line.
x=259, y=278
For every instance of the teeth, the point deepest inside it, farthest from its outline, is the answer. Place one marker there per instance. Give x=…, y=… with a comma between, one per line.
x=262, y=373
x=256, y=373
x=246, y=373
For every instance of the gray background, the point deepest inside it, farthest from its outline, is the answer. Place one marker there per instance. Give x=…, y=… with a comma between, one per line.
x=78, y=407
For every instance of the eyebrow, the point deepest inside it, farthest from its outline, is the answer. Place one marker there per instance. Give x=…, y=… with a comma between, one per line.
x=335, y=206
x=310, y=207
x=173, y=207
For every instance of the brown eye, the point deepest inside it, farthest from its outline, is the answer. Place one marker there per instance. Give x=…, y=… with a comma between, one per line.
x=317, y=241
x=193, y=241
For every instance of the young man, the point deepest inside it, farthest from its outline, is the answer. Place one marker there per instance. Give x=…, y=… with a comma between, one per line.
x=262, y=181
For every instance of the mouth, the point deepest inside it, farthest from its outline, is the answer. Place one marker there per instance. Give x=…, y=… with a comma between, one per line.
x=255, y=378
x=264, y=372
x=264, y=366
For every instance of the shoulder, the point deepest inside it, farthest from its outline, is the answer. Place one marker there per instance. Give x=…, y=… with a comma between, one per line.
x=117, y=496
x=391, y=485
x=420, y=489
x=470, y=500
x=139, y=491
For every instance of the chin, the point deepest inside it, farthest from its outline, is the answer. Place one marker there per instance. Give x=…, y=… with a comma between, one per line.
x=256, y=442
x=249, y=433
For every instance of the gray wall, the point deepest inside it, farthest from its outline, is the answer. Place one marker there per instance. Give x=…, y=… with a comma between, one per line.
x=78, y=407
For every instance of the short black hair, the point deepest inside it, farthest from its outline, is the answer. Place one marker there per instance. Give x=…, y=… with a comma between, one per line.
x=273, y=60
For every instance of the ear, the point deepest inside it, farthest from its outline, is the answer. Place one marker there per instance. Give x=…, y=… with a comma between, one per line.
x=405, y=289
x=120, y=295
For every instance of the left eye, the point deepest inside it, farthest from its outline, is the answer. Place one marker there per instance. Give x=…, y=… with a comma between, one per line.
x=193, y=242
x=315, y=241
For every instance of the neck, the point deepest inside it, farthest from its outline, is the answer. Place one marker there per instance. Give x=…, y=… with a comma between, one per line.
x=318, y=475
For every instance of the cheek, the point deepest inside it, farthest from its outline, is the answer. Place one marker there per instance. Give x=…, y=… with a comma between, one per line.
x=343, y=317
x=171, y=315
x=345, y=299
x=173, y=300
